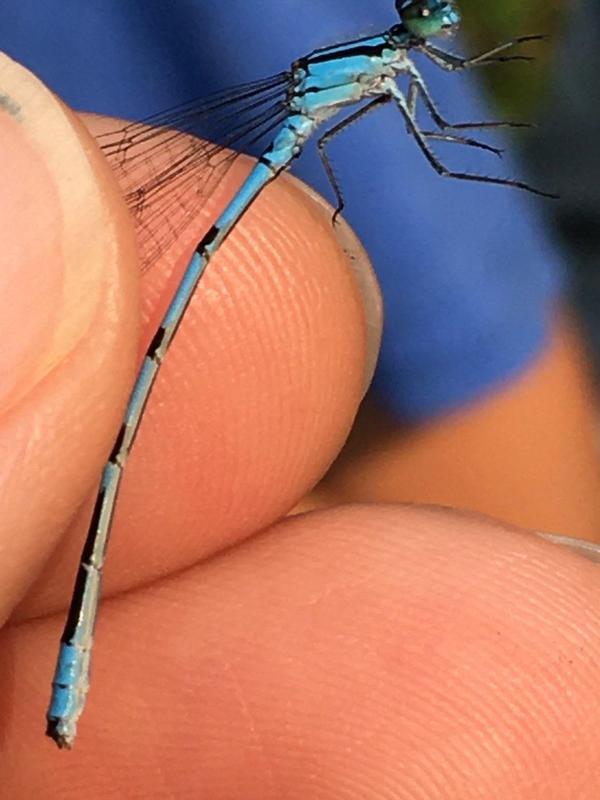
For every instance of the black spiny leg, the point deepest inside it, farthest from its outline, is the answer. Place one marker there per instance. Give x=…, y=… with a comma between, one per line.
x=439, y=167
x=464, y=140
x=418, y=88
x=453, y=63
x=375, y=103
x=330, y=134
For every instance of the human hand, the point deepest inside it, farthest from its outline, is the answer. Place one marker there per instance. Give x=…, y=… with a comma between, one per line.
x=365, y=651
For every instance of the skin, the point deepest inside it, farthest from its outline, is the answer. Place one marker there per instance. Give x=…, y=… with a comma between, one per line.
x=363, y=651
x=526, y=453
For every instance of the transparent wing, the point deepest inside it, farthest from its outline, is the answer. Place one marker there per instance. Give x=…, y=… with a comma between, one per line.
x=165, y=172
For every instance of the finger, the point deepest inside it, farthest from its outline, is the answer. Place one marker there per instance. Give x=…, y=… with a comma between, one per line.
x=68, y=321
x=526, y=454
x=359, y=652
x=256, y=396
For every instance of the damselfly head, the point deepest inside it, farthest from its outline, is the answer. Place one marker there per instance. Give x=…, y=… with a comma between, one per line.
x=425, y=18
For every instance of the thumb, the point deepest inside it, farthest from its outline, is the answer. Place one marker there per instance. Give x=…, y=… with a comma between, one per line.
x=68, y=318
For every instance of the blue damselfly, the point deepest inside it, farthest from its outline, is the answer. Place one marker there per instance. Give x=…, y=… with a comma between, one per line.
x=290, y=106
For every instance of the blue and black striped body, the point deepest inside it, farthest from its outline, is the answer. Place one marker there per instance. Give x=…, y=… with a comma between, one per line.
x=320, y=85
x=358, y=74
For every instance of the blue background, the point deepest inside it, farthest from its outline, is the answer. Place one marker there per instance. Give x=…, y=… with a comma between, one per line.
x=468, y=271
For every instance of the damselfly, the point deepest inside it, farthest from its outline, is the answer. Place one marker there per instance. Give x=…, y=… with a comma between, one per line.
x=292, y=105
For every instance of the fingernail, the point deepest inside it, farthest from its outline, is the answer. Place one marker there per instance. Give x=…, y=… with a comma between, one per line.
x=54, y=230
x=588, y=550
x=366, y=282
x=371, y=295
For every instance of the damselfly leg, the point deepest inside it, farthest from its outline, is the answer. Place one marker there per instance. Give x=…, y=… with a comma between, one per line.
x=452, y=63
x=437, y=164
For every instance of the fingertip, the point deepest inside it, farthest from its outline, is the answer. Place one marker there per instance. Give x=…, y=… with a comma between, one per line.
x=359, y=265
x=68, y=294
x=269, y=368
x=53, y=273
x=259, y=389
x=371, y=646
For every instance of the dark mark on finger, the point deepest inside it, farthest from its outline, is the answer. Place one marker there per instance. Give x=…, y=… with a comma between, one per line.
x=10, y=105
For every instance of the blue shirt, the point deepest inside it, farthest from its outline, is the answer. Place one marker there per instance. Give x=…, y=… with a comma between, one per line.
x=467, y=270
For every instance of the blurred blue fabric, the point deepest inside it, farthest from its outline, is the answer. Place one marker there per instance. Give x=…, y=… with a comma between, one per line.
x=468, y=271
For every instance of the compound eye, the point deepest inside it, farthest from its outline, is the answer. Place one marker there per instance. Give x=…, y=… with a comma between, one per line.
x=425, y=18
